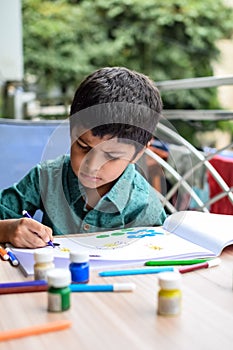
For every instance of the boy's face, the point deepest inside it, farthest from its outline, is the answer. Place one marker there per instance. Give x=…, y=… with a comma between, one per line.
x=98, y=162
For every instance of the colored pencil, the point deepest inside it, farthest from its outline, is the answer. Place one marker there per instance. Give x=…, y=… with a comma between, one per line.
x=142, y=271
x=3, y=253
x=23, y=287
x=204, y=265
x=183, y=269
x=35, y=330
x=12, y=258
x=174, y=262
x=41, y=286
x=116, y=287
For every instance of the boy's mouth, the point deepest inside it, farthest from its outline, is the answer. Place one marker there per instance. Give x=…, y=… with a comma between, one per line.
x=90, y=177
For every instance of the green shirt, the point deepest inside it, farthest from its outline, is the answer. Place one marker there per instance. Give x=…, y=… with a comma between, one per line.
x=53, y=188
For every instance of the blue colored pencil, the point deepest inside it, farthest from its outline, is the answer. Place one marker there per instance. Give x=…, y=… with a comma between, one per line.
x=136, y=271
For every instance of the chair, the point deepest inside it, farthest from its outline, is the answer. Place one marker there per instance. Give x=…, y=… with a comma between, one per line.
x=24, y=143
x=183, y=179
x=216, y=194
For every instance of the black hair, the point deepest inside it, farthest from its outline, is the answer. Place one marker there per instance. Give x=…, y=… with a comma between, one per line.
x=119, y=102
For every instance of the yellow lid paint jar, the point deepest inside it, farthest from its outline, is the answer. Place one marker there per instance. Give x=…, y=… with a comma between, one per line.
x=43, y=263
x=169, y=295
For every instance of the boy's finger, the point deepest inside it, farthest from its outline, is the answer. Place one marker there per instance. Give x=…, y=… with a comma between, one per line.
x=42, y=232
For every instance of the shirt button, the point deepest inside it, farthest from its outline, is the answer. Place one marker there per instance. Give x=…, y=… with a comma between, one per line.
x=86, y=227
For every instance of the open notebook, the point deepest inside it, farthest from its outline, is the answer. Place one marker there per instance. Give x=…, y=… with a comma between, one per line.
x=185, y=234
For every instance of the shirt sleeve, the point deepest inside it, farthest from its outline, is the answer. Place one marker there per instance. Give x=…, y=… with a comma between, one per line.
x=24, y=195
x=151, y=215
x=148, y=214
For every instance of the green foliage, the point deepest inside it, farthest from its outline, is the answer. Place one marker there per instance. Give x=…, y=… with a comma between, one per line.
x=173, y=39
x=226, y=126
x=52, y=42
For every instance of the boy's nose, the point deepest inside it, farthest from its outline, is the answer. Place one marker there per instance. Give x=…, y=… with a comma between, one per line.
x=94, y=161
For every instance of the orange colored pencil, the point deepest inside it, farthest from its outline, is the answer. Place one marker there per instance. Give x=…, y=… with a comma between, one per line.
x=35, y=330
x=3, y=253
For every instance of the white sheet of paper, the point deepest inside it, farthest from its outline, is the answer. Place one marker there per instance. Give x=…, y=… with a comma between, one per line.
x=119, y=247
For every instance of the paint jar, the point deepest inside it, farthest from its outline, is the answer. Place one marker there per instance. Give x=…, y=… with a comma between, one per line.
x=43, y=263
x=58, y=290
x=169, y=296
x=79, y=267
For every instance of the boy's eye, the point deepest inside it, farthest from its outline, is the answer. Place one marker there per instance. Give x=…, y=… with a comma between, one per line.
x=111, y=157
x=84, y=147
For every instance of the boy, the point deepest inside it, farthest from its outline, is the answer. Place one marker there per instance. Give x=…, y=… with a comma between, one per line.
x=113, y=116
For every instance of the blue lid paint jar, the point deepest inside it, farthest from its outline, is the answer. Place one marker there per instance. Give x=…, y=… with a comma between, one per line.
x=79, y=267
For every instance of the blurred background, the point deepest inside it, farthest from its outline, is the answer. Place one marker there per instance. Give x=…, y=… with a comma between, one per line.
x=185, y=46
x=48, y=47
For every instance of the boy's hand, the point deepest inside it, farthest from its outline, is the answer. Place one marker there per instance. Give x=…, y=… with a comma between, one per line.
x=26, y=233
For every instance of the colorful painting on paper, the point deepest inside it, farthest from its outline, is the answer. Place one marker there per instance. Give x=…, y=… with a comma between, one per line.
x=117, y=239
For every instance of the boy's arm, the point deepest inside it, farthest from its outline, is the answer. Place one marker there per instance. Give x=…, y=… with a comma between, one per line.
x=24, y=195
x=14, y=228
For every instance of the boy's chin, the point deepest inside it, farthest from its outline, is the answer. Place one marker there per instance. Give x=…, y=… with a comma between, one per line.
x=91, y=184
x=88, y=185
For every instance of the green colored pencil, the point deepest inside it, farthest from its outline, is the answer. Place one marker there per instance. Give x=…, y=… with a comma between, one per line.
x=175, y=262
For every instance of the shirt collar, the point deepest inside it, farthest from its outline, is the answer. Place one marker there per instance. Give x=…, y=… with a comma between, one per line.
x=118, y=195
x=120, y=192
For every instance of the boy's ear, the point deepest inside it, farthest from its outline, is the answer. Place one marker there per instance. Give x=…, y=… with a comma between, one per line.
x=139, y=154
